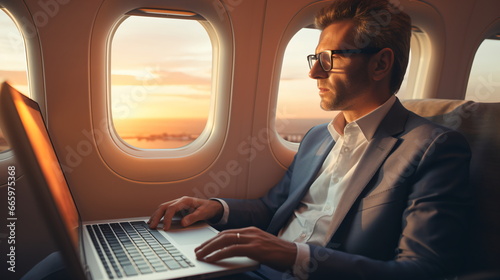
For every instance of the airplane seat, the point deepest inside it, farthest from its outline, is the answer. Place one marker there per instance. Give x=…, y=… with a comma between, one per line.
x=478, y=122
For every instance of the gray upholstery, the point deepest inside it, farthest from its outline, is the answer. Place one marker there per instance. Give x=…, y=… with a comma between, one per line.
x=479, y=122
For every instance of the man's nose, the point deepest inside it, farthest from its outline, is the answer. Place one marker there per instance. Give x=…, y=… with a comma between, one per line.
x=317, y=72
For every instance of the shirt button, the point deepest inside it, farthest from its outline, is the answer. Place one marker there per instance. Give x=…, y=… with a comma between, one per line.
x=303, y=235
x=346, y=150
x=328, y=207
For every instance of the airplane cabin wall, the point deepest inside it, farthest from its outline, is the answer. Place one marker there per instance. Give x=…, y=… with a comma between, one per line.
x=465, y=24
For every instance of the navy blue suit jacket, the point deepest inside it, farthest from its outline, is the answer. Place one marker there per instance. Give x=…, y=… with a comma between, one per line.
x=403, y=216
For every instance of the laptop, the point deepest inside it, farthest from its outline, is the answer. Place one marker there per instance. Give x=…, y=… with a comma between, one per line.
x=111, y=249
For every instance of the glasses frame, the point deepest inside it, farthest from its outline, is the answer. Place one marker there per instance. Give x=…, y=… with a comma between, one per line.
x=313, y=58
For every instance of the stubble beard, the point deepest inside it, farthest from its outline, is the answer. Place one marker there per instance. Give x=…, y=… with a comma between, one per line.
x=335, y=101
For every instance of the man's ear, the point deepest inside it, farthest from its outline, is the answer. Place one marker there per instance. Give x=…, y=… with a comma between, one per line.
x=382, y=64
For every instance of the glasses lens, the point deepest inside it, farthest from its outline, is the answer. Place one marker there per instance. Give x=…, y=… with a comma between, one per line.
x=325, y=58
x=312, y=60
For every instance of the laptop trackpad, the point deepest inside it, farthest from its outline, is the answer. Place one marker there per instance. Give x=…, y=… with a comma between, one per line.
x=191, y=235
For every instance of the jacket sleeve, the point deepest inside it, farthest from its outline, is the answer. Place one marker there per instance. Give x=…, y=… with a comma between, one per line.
x=258, y=212
x=434, y=223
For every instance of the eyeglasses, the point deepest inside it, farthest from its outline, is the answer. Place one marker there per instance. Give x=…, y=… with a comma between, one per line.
x=326, y=57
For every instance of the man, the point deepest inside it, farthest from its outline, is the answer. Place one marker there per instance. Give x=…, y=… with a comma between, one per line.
x=379, y=193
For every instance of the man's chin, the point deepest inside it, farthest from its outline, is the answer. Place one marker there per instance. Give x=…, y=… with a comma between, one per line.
x=327, y=106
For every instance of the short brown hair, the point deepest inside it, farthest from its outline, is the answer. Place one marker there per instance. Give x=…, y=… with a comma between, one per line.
x=378, y=24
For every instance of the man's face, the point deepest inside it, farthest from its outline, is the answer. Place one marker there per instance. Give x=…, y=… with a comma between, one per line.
x=343, y=87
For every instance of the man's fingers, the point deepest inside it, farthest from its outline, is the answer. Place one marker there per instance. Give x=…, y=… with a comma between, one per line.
x=230, y=236
x=172, y=209
x=221, y=241
x=224, y=245
x=199, y=214
x=155, y=218
x=166, y=211
x=236, y=250
x=193, y=210
x=167, y=218
x=250, y=242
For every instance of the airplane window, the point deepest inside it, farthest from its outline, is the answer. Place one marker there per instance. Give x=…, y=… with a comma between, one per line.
x=484, y=79
x=13, y=65
x=298, y=106
x=161, y=79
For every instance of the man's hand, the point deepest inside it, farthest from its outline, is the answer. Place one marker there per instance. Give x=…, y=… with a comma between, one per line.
x=249, y=242
x=198, y=209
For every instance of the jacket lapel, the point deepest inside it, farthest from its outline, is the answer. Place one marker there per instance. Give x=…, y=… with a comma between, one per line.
x=304, y=176
x=377, y=151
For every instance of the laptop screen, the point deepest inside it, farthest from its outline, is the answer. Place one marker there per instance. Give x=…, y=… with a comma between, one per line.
x=26, y=132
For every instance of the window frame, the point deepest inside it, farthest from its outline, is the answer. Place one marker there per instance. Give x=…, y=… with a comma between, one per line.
x=16, y=10
x=493, y=34
x=187, y=161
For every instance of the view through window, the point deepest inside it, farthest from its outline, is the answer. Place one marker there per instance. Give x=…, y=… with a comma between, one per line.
x=13, y=65
x=484, y=79
x=298, y=102
x=161, y=79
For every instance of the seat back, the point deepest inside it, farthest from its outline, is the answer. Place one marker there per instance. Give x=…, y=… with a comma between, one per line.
x=479, y=123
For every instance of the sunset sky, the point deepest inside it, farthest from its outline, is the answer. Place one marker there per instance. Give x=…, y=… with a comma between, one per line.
x=163, y=66
x=12, y=54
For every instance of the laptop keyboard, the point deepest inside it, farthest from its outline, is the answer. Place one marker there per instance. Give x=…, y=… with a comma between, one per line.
x=132, y=248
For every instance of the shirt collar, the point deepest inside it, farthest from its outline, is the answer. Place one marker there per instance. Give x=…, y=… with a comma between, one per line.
x=368, y=123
